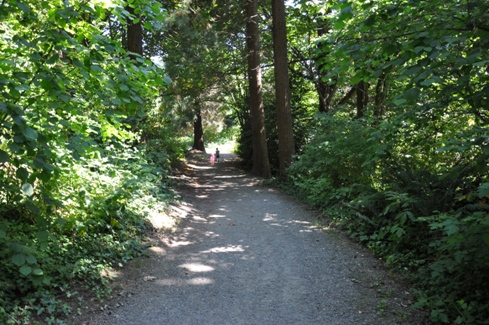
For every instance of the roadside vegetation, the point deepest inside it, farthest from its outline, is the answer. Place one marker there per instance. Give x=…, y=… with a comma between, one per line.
x=84, y=157
x=403, y=167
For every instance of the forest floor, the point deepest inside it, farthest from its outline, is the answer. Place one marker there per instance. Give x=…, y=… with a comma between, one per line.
x=245, y=253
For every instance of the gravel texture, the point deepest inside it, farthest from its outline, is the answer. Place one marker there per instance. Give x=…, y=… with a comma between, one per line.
x=245, y=253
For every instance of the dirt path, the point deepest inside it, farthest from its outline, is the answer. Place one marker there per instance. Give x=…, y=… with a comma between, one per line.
x=247, y=254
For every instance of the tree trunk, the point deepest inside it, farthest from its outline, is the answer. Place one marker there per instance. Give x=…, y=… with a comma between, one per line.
x=360, y=98
x=282, y=87
x=380, y=94
x=198, y=129
x=134, y=34
x=261, y=165
x=325, y=93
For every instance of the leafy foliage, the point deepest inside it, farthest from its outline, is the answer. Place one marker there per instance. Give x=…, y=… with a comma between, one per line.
x=77, y=180
x=406, y=173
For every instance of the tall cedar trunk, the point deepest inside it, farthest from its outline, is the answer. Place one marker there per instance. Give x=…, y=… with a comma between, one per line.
x=282, y=88
x=198, y=130
x=261, y=165
x=134, y=35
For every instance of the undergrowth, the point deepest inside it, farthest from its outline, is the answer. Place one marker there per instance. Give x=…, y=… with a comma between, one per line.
x=97, y=223
x=425, y=211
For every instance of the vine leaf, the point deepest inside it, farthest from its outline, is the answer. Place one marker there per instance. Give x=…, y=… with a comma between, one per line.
x=25, y=269
x=4, y=156
x=27, y=189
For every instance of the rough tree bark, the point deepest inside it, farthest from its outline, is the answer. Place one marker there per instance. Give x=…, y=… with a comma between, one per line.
x=134, y=34
x=362, y=97
x=198, y=129
x=261, y=165
x=282, y=87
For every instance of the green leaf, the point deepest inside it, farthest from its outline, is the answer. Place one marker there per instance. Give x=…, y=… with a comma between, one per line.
x=357, y=78
x=53, y=59
x=47, y=84
x=167, y=80
x=32, y=207
x=22, y=87
x=483, y=190
x=37, y=271
x=54, y=104
x=3, y=106
x=45, y=175
x=25, y=270
x=486, y=239
x=15, y=247
x=28, y=189
x=38, y=163
x=450, y=227
x=339, y=25
x=412, y=94
x=30, y=134
x=65, y=98
x=369, y=21
x=19, y=120
x=22, y=6
x=96, y=68
x=42, y=235
x=481, y=63
x=77, y=63
x=400, y=101
x=141, y=113
x=18, y=259
x=22, y=174
x=31, y=259
x=3, y=234
x=4, y=156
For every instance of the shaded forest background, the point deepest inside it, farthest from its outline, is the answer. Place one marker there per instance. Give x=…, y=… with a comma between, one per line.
x=374, y=112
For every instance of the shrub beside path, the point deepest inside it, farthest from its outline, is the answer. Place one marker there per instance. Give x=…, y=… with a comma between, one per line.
x=244, y=253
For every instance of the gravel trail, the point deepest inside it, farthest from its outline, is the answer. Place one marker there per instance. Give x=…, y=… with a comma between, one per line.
x=247, y=254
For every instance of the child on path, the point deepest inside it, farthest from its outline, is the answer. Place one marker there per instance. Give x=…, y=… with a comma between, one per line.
x=212, y=159
x=217, y=154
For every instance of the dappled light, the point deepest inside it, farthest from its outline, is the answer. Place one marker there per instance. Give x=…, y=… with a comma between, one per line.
x=198, y=281
x=212, y=216
x=209, y=260
x=196, y=267
x=225, y=249
x=201, y=167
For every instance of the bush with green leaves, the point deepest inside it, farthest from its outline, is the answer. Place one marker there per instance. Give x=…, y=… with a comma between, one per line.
x=98, y=224
x=420, y=95
x=399, y=197
x=77, y=181
x=334, y=161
